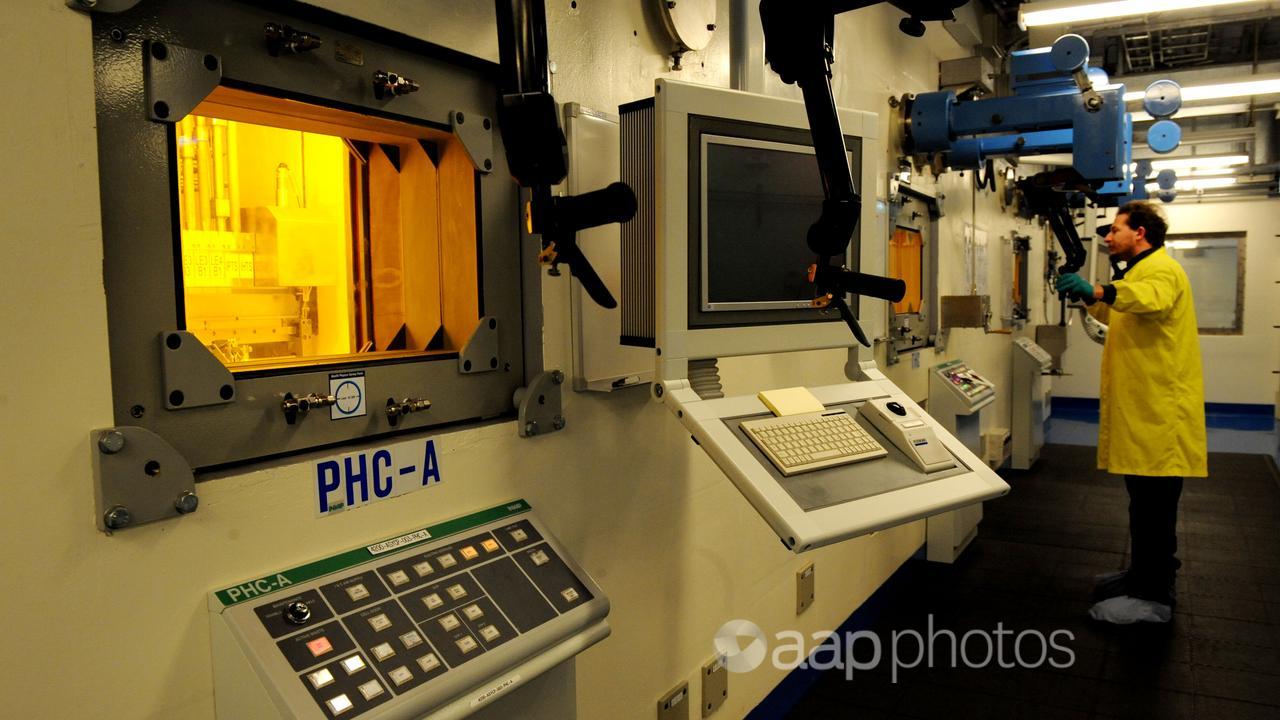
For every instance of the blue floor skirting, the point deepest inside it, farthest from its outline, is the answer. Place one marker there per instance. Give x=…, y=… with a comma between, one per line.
x=1222, y=416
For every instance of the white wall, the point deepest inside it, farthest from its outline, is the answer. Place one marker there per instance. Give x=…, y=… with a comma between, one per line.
x=1237, y=368
x=116, y=627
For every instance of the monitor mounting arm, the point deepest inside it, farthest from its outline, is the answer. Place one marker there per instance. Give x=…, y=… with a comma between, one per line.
x=799, y=41
x=537, y=152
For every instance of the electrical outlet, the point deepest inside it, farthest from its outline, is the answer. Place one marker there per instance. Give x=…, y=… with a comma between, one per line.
x=715, y=686
x=674, y=705
x=804, y=588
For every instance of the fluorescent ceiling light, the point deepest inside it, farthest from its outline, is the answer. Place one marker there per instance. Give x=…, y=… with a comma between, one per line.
x=1243, y=88
x=1203, y=111
x=1209, y=161
x=1059, y=13
x=1194, y=185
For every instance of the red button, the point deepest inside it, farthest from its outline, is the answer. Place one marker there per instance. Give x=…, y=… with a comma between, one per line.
x=319, y=646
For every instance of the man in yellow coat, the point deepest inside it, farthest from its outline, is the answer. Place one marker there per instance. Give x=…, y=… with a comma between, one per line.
x=1152, y=427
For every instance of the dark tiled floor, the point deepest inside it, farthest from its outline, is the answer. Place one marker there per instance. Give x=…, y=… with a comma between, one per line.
x=1032, y=568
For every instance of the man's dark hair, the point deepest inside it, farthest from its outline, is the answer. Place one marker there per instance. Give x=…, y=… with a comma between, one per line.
x=1143, y=214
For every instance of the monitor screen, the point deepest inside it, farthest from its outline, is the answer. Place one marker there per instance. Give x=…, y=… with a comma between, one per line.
x=758, y=200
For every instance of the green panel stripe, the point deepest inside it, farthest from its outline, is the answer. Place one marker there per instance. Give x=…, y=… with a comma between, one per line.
x=303, y=573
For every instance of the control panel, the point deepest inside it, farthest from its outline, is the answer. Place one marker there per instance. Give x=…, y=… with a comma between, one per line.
x=1036, y=352
x=965, y=382
x=912, y=435
x=436, y=622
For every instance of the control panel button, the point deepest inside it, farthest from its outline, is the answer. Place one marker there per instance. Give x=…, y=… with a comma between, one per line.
x=447, y=560
x=338, y=705
x=398, y=578
x=379, y=622
x=428, y=662
x=569, y=594
x=423, y=568
x=490, y=633
x=297, y=613
x=400, y=675
x=466, y=644
x=450, y=622
x=457, y=592
x=411, y=639
x=490, y=545
x=383, y=651
x=357, y=592
x=473, y=612
x=469, y=553
x=353, y=664
x=519, y=535
x=432, y=601
x=320, y=678
x=319, y=646
x=371, y=689
x=540, y=558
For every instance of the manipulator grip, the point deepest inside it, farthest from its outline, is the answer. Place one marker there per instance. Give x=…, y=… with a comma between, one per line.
x=856, y=283
x=615, y=203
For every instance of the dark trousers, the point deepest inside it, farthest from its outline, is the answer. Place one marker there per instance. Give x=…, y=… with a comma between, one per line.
x=1153, y=520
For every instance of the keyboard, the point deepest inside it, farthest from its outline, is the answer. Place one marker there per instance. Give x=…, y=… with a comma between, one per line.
x=812, y=441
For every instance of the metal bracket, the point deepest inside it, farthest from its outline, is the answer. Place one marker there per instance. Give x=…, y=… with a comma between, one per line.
x=138, y=478
x=110, y=7
x=193, y=377
x=538, y=405
x=481, y=353
x=177, y=79
x=476, y=134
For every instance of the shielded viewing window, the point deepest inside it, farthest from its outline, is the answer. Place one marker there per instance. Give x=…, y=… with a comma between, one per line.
x=311, y=236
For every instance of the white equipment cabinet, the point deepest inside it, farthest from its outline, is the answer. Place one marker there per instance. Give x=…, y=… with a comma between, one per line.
x=957, y=395
x=1032, y=388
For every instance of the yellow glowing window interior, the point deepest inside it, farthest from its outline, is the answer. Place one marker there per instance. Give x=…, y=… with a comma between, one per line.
x=906, y=253
x=311, y=235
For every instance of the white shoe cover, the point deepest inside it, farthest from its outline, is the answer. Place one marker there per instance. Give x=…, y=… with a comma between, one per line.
x=1125, y=610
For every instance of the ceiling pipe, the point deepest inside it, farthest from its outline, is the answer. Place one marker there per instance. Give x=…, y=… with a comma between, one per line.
x=1264, y=137
x=746, y=47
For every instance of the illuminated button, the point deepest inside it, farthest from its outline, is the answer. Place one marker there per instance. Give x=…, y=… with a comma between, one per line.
x=353, y=664
x=411, y=639
x=490, y=545
x=400, y=675
x=469, y=553
x=428, y=662
x=519, y=535
x=490, y=633
x=319, y=646
x=371, y=689
x=457, y=592
x=320, y=678
x=473, y=612
x=423, y=568
x=338, y=705
x=467, y=644
x=398, y=577
x=450, y=622
x=379, y=622
x=357, y=592
x=569, y=594
x=383, y=651
x=540, y=558
x=432, y=601
x=447, y=560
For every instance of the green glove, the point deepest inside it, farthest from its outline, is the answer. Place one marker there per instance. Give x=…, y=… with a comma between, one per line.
x=1075, y=286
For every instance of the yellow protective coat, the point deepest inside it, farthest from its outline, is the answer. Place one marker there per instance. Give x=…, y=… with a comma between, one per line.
x=1152, y=408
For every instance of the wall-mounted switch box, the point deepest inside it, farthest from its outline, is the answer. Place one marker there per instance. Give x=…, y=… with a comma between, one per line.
x=675, y=704
x=715, y=686
x=804, y=588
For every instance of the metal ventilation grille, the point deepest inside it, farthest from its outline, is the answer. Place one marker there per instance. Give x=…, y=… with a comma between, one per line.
x=1144, y=51
x=639, y=252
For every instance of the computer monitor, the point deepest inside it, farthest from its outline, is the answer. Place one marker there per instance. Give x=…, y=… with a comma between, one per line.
x=728, y=186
